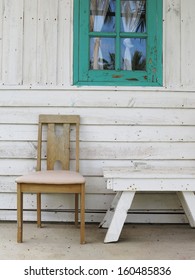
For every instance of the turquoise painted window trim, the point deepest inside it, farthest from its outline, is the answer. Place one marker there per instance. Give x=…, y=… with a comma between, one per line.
x=152, y=76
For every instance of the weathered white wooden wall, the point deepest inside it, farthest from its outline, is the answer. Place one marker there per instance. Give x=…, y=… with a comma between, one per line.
x=119, y=126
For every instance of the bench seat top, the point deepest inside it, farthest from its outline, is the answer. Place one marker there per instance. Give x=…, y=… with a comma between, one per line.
x=131, y=179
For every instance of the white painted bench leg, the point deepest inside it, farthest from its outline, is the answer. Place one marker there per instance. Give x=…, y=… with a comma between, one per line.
x=110, y=212
x=119, y=216
x=188, y=203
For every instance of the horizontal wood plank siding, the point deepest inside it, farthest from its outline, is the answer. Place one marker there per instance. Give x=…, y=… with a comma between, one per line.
x=145, y=135
x=111, y=133
x=145, y=127
x=97, y=98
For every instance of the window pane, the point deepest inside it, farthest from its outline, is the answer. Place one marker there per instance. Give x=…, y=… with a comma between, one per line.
x=102, y=53
x=102, y=15
x=133, y=53
x=133, y=16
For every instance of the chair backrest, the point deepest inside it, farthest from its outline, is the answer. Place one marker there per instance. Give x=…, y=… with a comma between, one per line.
x=58, y=144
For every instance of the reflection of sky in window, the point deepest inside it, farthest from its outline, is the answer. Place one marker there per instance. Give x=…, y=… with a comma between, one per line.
x=138, y=45
x=107, y=49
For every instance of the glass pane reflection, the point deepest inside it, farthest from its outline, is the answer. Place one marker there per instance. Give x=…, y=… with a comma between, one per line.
x=102, y=53
x=133, y=54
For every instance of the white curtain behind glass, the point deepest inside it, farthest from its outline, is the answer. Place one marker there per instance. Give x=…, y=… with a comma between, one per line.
x=99, y=10
x=131, y=13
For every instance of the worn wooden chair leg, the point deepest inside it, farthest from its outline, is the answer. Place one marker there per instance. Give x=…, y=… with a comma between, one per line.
x=38, y=210
x=76, y=209
x=82, y=215
x=19, y=214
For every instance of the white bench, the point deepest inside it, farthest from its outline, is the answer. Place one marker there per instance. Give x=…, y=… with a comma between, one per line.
x=127, y=181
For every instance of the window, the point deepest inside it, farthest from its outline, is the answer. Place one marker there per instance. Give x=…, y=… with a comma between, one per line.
x=118, y=42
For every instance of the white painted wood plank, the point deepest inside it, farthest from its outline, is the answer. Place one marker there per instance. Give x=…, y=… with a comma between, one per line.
x=172, y=54
x=133, y=151
x=187, y=43
x=48, y=216
x=149, y=184
x=10, y=167
x=105, y=223
x=119, y=217
x=188, y=202
x=142, y=172
x=95, y=217
x=95, y=167
x=12, y=42
x=111, y=133
x=30, y=42
x=115, y=133
x=7, y=184
x=47, y=42
x=15, y=167
x=18, y=150
x=64, y=52
x=103, y=116
x=107, y=150
x=18, y=132
x=137, y=133
x=96, y=98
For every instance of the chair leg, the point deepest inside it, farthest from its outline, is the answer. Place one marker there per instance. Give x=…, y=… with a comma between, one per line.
x=38, y=210
x=76, y=208
x=19, y=214
x=82, y=215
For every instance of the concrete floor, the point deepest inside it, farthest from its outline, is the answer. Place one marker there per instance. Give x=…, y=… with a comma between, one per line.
x=61, y=242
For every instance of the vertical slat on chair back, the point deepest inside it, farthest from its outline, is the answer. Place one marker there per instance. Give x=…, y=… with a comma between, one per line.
x=58, y=146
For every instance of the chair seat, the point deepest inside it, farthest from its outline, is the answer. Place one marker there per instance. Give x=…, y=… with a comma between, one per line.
x=58, y=177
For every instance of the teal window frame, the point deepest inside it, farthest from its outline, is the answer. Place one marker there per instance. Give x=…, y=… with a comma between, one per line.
x=82, y=75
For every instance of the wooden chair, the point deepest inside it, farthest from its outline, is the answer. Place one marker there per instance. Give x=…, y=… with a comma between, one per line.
x=52, y=180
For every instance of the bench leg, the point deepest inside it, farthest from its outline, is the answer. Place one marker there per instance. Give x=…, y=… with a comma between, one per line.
x=110, y=212
x=119, y=216
x=188, y=203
